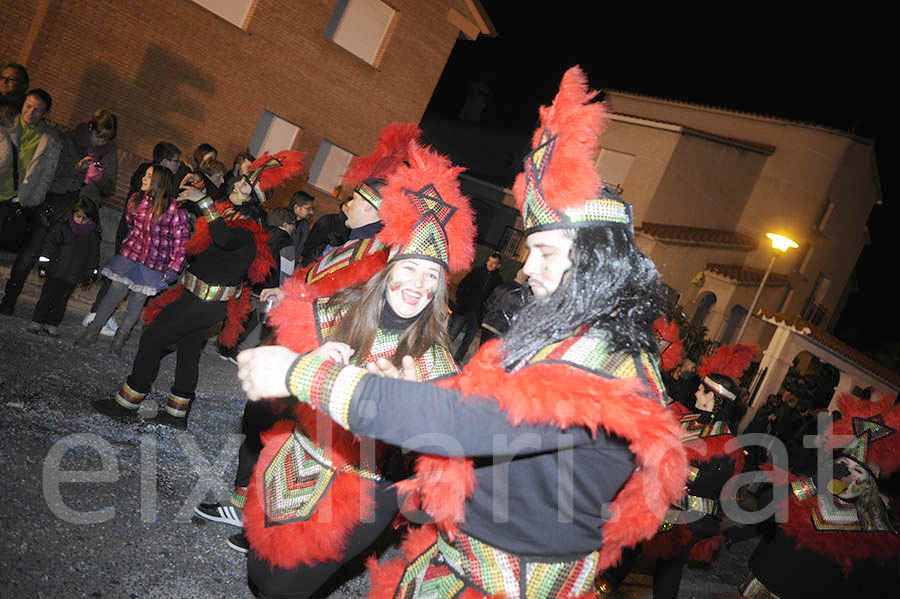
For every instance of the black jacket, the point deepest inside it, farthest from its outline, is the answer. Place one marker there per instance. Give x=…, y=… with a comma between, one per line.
x=475, y=288
x=73, y=258
x=502, y=305
x=278, y=240
x=331, y=230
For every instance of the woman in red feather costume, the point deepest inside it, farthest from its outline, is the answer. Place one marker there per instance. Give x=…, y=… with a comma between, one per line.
x=552, y=450
x=320, y=495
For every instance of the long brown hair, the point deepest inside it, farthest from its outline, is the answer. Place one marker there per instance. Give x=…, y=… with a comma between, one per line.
x=367, y=301
x=158, y=193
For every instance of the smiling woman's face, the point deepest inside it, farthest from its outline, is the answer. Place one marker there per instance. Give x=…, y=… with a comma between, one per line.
x=412, y=285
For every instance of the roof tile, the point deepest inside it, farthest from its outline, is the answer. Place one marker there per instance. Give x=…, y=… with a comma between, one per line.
x=698, y=236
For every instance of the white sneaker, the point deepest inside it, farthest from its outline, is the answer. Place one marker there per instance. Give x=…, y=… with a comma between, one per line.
x=110, y=328
x=88, y=318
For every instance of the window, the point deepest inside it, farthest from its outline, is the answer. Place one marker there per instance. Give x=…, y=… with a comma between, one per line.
x=805, y=261
x=273, y=134
x=362, y=27
x=236, y=12
x=613, y=168
x=826, y=214
x=329, y=166
x=670, y=296
x=510, y=241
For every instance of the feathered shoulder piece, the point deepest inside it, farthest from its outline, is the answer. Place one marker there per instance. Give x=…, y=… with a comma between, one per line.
x=424, y=213
x=671, y=347
x=730, y=360
x=875, y=430
x=391, y=151
x=560, y=186
x=270, y=171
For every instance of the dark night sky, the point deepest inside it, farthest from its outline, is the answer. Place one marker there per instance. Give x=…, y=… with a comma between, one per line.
x=827, y=68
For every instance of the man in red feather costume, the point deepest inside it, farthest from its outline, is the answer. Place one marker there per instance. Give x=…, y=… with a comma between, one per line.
x=356, y=261
x=228, y=249
x=553, y=449
x=836, y=534
x=692, y=528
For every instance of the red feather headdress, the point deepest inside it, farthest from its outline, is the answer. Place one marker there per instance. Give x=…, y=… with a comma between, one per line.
x=670, y=344
x=269, y=171
x=391, y=151
x=560, y=186
x=730, y=360
x=875, y=428
x=424, y=213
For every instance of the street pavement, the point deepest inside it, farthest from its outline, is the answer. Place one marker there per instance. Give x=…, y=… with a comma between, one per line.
x=93, y=507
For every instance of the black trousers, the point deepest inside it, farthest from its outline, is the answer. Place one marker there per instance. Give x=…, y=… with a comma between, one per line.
x=42, y=217
x=184, y=323
x=468, y=321
x=258, y=416
x=303, y=581
x=55, y=295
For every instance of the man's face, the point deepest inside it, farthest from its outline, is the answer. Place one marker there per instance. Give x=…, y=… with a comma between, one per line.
x=10, y=80
x=360, y=212
x=303, y=211
x=241, y=191
x=492, y=264
x=171, y=163
x=34, y=110
x=548, y=260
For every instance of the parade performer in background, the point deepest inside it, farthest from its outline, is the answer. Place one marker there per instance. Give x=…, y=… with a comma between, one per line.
x=692, y=528
x=356, y=261
x=837, y=539
x=228, y=249
x=577, y=456
x=295, y=544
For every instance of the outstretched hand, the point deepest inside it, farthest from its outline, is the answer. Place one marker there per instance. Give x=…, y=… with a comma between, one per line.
x=191, y=194
x=263, y=370
x=384, y=367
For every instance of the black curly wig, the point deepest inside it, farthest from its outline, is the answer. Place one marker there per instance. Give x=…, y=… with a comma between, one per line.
x=610, y=286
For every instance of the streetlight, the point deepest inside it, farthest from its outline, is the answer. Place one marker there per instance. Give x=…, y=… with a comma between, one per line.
x=782, y=244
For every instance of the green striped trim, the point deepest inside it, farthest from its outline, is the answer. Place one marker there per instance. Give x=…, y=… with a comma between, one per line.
x=129, y=398
x=207, y=292
x=326, y=385
x=177, y=406
x=208, y=207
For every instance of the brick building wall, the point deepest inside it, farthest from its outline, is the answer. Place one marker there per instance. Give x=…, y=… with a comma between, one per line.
x=173, y=70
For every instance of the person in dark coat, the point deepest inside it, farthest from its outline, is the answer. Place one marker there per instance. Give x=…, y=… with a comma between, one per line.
x=71, y=251
x=330, y=231
x=502, y=305
x=471, y=294
x=302, y=207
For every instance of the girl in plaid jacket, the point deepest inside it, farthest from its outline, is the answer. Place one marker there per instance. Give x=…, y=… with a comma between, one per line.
x=150, y=259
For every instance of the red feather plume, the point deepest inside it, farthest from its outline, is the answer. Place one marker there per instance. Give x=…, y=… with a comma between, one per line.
x=578, y=121
x=273, y=176
x=667, y=329
x=730, y=360
x=399, y=216
x=391, y=151
x=885, y=452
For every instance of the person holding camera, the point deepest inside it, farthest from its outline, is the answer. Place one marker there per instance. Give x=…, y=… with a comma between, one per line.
x=86, y=168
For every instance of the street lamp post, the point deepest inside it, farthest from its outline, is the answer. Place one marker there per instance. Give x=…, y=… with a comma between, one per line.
x=782, y=244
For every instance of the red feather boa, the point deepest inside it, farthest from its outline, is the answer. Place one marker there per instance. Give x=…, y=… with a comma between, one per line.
x=238, y=308
x=323, y=536
x=533, y=395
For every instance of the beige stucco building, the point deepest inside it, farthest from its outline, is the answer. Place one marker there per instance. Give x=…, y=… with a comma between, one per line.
x=707, y=184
